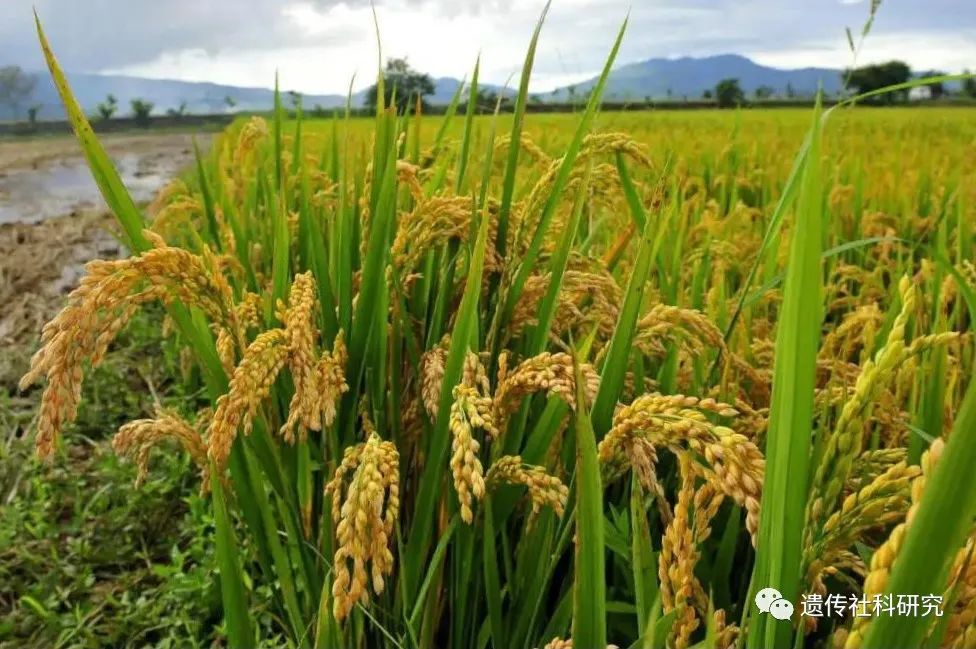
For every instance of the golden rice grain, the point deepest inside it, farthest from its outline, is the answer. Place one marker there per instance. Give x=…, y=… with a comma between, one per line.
x=468, y=412
x=544, y=490
x=106, y=299
x=887, y=553
x=136, y=440
x=546, y=372
x=365, y=511
x=734, y=465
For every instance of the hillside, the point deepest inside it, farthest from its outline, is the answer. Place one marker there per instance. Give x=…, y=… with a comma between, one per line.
x=685, y=77
x=91, y=89
x=689, y=77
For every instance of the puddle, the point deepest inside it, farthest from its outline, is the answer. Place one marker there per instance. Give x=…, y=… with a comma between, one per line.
x=53, y=220
x=66, y=186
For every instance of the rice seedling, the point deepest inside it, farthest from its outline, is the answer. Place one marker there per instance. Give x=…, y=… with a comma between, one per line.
x=566, y=387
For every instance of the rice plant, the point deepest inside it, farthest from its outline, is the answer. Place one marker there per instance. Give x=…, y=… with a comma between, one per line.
x=529, y=383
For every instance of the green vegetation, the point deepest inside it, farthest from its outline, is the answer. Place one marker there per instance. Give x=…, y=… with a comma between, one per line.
x=728, y=93
x=16, y=87
x=404, y=87
x=508, y=381
x=85, y=559
x=107, y=108
x=179, y=111
x=875, y=77
x=141, y=111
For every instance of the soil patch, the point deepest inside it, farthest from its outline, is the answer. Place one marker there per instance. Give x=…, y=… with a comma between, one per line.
x=53, y=221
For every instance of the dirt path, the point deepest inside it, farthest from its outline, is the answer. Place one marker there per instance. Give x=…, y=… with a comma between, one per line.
x=53, y=220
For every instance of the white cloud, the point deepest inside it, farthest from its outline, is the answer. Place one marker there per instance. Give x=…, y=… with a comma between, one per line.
x=317, y=45
x=437, y=42
x=924, y=50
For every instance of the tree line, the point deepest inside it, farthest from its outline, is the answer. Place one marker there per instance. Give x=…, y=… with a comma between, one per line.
x=405, y=87
x=17, y=92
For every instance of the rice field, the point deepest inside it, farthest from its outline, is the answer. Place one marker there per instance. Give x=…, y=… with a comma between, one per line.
x=565, y=380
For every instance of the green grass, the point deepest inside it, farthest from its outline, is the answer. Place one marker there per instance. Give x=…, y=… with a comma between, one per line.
x=86, y=559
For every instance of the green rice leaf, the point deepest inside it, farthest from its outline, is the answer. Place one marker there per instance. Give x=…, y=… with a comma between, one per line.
x=643, y=559
x=616, y=362
x=589, y=586
x=791, y=410
x=106, y=177
x=237, y=615
x=429, y=493
x=511, y=164
x=941, y=522
x=527, y=263
x=493, y=587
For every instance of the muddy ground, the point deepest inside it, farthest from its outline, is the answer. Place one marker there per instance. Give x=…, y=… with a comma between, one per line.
x=52, y=221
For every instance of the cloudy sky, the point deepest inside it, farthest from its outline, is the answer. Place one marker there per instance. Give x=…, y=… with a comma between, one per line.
x=317, y=45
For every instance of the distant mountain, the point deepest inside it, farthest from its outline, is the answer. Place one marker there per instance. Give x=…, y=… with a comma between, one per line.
x=685, y=77
x=445, y=87
x=656, y=78
x=690, y=77
x=199, y=97
x=92, y=89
